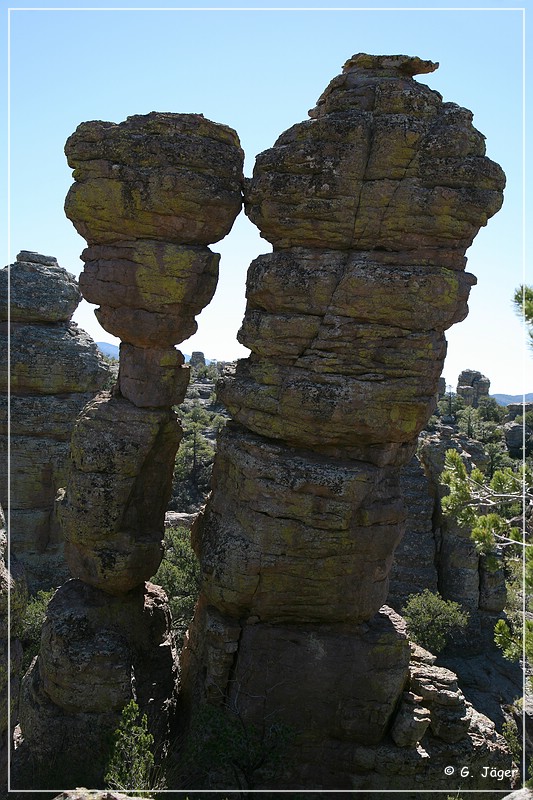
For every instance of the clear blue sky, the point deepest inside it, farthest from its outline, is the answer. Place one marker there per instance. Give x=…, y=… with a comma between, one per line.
x=260, y=71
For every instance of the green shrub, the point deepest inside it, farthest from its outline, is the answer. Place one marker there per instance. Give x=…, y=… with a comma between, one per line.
x=32, y=624
x=432, y=621
x=223, y=750
x=131, y=767
x=179, y=575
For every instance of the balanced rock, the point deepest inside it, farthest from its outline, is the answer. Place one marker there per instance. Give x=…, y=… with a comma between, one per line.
x=149, y=195
x=370, y=206
x=383, y=164
x=40, y=290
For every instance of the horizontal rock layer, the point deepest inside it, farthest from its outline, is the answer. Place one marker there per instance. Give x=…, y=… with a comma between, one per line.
x=270, y=518
x=55, y=369
x=77, y=364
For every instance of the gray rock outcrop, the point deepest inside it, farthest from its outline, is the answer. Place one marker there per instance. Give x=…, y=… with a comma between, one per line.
x=436, y=553
x=370, y=206
x=472, y=386
x=56, y=369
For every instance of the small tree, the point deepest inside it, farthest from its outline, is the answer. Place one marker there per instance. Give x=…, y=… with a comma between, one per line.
x=179, y=575
x=131, y=767
x=432, y=621
x=223, y=750
x=523, y=302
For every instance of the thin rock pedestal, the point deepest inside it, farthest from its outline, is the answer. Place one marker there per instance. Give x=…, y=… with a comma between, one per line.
x=370, y=206
x=149, y=195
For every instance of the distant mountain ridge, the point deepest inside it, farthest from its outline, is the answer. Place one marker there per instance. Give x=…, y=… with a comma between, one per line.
x=505, y=399
x=108, y=349
x=112, y=351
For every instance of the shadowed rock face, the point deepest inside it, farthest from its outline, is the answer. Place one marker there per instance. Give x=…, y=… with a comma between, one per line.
x=370, y=206
x=150, y=193
x=13, y=599
x=55, y=370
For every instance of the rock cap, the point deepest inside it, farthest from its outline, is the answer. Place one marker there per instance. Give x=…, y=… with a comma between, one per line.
x=390, y=65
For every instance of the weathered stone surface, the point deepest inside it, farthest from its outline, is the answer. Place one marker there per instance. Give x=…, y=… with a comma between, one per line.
x=437, y=554
x=459, y=566
x=197, y=359
x=370, y=207
x=77, y=364
x=367, y=665
x=514, y=410
x=270, y=517
x=97, y=652
x=415, y=559
x=56, y=369
x=118, y=489
x=149, y=194
x=325, y=411
x=149, y=292
x=40, y=290
x=175, y=177
x=151, y=377
x=51, y=415
x=411, y=721
x=516, y=435
x=382, y=164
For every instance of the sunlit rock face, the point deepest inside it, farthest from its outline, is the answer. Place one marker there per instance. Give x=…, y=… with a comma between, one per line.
x=149, y=195
x=370, y=206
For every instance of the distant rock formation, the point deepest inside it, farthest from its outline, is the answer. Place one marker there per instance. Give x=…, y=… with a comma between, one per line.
x=370, y=206
x=55, y=369
x=472, y=386
x=197, y=359
x=150, y=193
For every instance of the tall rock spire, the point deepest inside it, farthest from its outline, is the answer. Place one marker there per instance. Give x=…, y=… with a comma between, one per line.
x=370, y=206
x=149, y=195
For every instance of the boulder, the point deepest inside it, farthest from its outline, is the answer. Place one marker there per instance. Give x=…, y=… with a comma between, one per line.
x=40, y=290
x=174, y=177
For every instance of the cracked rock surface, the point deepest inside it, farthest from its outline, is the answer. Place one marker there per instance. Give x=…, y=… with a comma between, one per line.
x=369, y=205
